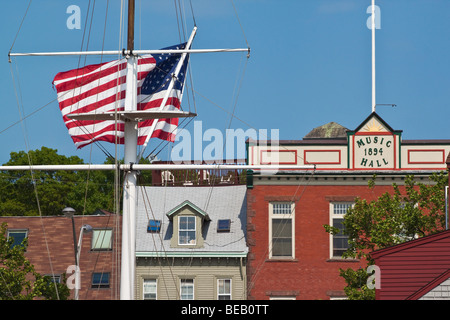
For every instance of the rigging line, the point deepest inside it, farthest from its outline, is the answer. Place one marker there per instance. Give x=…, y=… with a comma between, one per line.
x=264, y=256
x=144, y=197
x=240, y=24
x=99, y=252
x=167, y=142
x=84, y=33
x=184, y=28
x=107, y=153
x=101, y=59
x=24, y=117
x=244, y=122
x=117, y=183
x=20, y=26
x=189, y=70
x=19, y=104
x=192, y=12
x=90, y=155
x=103, y=149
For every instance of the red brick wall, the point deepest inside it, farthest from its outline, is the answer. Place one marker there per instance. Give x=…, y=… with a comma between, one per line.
x=311, y=275
x=51, y=247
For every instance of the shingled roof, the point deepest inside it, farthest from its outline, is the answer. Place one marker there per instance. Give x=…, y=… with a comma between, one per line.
x=331, y=130
x=220, y=202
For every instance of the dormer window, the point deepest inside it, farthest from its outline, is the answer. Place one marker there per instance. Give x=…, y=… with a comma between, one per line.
x=187, y=222
x=186, y=230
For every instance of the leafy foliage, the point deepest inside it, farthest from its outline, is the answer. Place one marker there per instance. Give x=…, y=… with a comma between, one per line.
x=26, y=193
x=18, y=278
x=393, y=218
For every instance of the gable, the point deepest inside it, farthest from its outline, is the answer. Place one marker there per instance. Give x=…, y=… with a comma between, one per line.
x=437, y=289
x=374, y=145
x=374, y=124
x=411, y=269
x=187, y=207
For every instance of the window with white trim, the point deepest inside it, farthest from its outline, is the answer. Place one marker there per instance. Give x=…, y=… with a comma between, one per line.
x=339, y=241
x=186, y=230
x=187, y=289
x=150, y=289
x=223, y=289
x=281, y=230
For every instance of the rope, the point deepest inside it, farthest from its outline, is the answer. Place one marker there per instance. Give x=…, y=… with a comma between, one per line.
x=19, y=104
x=20, y=26
x=240, y=24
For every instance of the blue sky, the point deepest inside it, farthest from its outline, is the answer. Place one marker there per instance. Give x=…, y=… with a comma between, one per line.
x=310, y=64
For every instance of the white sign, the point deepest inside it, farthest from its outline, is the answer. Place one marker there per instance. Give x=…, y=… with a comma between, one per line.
x=374, y=151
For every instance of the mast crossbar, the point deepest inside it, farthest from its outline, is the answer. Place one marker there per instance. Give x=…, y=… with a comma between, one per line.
x=125, y=52
x=130, y=167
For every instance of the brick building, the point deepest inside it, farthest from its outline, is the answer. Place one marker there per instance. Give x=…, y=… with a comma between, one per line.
x=290, y=254
x=51, y=250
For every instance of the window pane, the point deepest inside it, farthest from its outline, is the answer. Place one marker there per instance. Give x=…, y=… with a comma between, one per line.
x=224, y=289
x=282, y=247
x=187, y=223
x=187, y=237
x=18, y=236
x=281, y=208
x=187, y=289
x=150, y=289
x=224, y=286
x=340, y=240
x=100, y=280
x=341, y=208
x=186, y=232
x=281, y=228
x=101, y=240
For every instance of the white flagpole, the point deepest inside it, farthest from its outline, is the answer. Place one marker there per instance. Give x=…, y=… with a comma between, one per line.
x=130, y=154
x=168, y=91
x=373, y=57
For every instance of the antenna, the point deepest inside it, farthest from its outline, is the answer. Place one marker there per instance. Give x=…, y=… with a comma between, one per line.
x=373, y=57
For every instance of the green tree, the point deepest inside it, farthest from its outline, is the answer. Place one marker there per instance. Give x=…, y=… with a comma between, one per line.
x=393, y=218
x=23, y=193
x=18, y=278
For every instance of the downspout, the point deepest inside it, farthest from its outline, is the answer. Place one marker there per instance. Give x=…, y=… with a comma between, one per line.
x=446, y=207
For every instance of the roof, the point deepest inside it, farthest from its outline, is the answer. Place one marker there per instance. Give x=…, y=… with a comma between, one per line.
x=411, y=244
x=331, y=130
x=184, y=204
x=218, y=202
x=412, y=269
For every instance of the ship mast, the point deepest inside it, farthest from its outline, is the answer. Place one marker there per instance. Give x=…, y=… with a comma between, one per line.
x=131, y=116
x=130, y=156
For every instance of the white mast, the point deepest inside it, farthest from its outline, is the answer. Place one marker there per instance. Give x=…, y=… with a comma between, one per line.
x=373, y=57
x=130, y=180
x=132, y=116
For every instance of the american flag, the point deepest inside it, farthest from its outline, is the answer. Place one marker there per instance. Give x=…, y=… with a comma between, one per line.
x=101, y=88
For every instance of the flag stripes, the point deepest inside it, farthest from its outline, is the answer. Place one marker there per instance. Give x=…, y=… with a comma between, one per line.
x=101, y=88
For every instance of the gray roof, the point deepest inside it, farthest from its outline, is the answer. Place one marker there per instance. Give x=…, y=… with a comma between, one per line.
x=331, y=130
x=218, y=202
